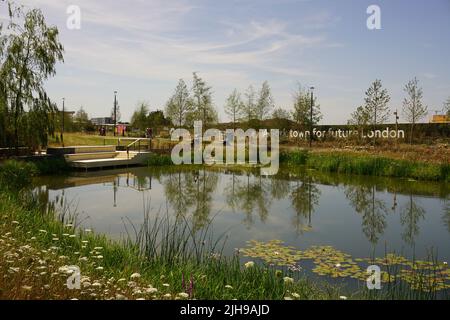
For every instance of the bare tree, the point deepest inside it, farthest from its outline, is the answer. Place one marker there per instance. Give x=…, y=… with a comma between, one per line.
x=413, y=108
x=249, y=105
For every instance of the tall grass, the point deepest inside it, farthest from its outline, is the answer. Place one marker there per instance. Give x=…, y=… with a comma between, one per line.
x=368, y=165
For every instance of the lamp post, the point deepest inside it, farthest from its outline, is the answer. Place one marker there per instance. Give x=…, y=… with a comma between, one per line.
x=311, y=117
x=62, y=122
x=115, y=112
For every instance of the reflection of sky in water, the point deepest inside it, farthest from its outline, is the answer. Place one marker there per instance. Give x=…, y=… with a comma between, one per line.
x=266, y=209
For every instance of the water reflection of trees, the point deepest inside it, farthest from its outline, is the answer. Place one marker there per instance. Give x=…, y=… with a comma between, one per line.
x=252, y=193
x=410, y=215
x=186, y=191
x=304, y=197
x=372, y=209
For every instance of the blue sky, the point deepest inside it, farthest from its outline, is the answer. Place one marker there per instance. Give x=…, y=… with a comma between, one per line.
x=141, y=48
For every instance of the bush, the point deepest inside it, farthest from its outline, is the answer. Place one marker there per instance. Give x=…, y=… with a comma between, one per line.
x=16, y=175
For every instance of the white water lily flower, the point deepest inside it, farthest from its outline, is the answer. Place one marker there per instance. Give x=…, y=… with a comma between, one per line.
x=135, y=276
x=249, y=264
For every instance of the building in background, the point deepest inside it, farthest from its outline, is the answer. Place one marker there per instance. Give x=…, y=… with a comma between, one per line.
x=102, y=121
x=440, y=118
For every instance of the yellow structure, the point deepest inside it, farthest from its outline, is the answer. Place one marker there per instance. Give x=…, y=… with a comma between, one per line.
x=440, y=118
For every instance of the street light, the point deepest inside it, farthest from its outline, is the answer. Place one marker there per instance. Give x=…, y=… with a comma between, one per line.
x=62, y=123
x=311, y=116
x=115, y=112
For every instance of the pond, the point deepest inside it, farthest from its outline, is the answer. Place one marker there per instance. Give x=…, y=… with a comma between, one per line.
x=361, y=216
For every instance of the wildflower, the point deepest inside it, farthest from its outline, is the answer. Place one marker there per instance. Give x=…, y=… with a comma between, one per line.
x=183, y=295
x=99, y=257
x=288, y=280
x=122, y=280
x=97, y=284
x=55, y=239
x=167, y=295
x=15, y=222
x=166, y=285
x=83, y=259
x=228, y=287
x=27, y=288
x=249, y=264
x=135, y=276
x=72, y=236
x=120, y=297
x=66, y=234
x=99, y=268
x=343, y=297
x=295, y=295
x=87, y=230
x=98, y=248
x=287, y=298
x=84, y=241
x=338, y=265
x=151, y=290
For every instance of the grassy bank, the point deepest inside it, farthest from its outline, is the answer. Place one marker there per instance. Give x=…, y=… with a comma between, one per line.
x=367, y=165
x=163, y=261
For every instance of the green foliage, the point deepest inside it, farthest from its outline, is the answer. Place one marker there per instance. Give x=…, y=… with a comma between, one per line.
x=16, y=175
x=295, y=157
x=159, y=160
x=302, y=108
x=29, y=53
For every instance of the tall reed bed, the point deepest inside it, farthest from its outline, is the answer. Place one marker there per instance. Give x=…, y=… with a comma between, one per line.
x=368, y=165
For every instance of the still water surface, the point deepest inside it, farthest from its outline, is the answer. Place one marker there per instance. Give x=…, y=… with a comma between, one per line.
x=361, y=216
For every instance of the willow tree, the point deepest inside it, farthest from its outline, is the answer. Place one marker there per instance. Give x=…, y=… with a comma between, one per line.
x=29, y=54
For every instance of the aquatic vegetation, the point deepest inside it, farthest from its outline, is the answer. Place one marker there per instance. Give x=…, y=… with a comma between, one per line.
x=420, y=275
x=367, y=165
